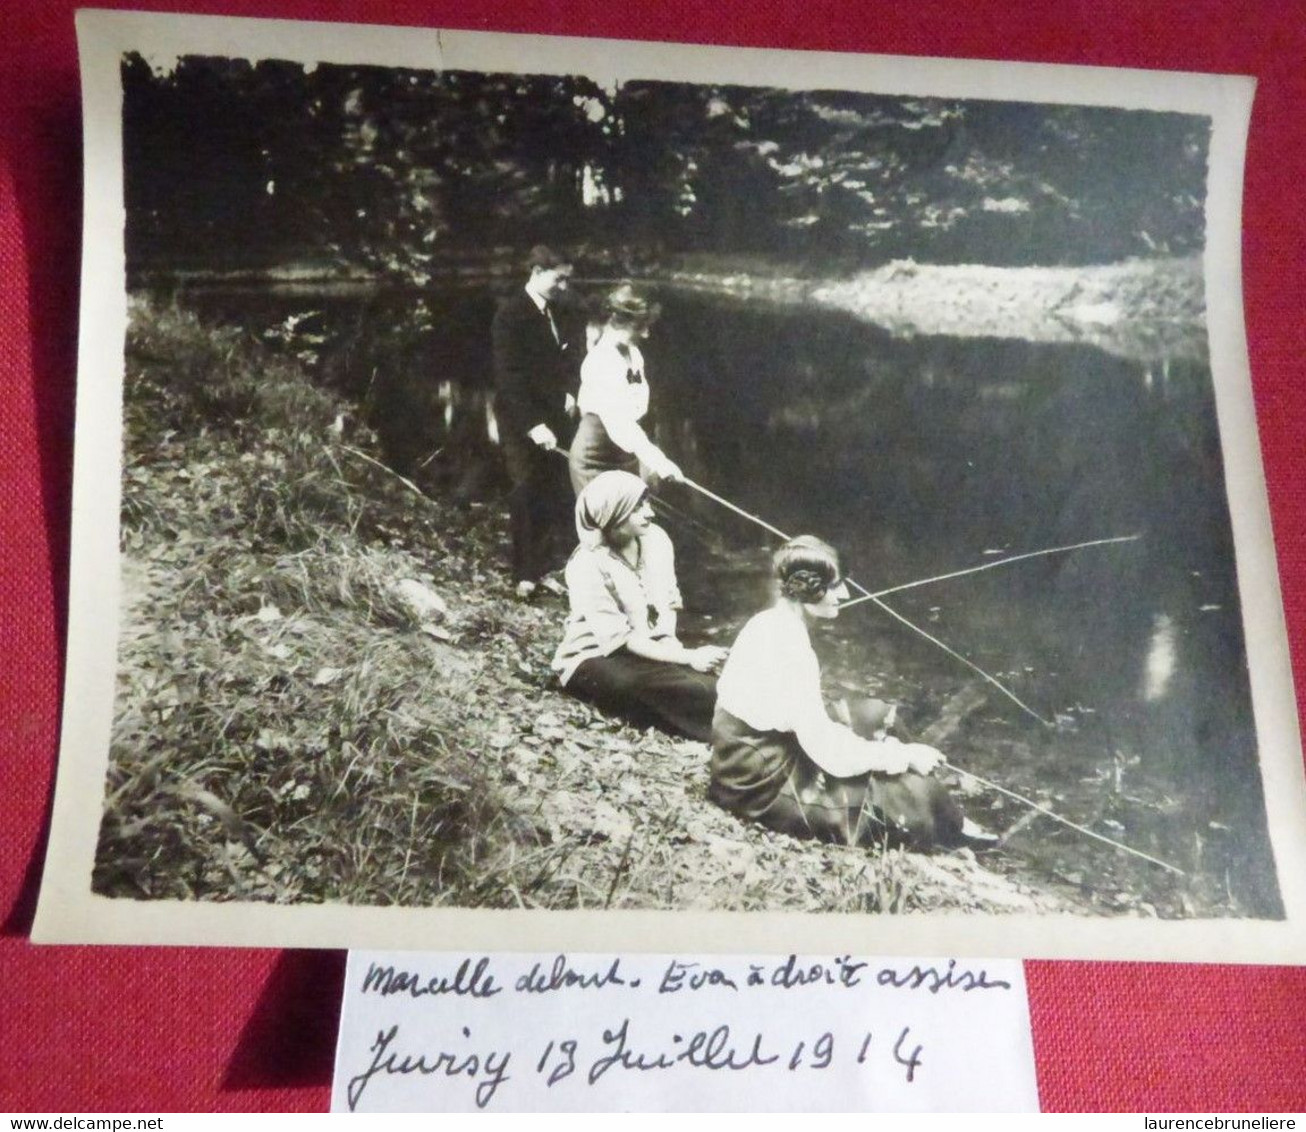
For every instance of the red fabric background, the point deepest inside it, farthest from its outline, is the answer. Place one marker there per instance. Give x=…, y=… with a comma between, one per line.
x=168, y=1029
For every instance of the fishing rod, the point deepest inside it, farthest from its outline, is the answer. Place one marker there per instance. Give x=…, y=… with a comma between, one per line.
x=1015, y=699
x=868, y=596
x=989, y=566
x=707, y=534
x=698, y=487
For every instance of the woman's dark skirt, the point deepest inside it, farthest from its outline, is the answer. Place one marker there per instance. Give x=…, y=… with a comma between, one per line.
x=649, y=692
x=592, y=451
x=765, y=776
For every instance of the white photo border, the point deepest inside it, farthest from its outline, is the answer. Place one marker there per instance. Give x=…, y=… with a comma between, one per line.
x=70, y=912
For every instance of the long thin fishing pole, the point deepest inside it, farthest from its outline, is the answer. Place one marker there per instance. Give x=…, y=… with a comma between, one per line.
x=706, y=533
x=993, y=680
x=698, y=487
x=989, y=566
x=1015, y=699
x=1064, y=821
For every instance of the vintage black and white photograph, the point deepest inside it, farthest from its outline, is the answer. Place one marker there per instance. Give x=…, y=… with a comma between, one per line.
x=552, y=479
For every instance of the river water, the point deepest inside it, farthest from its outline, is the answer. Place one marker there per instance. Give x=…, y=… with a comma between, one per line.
x=916, y=457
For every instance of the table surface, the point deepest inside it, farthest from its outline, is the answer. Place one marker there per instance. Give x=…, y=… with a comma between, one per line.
x=165, y=1029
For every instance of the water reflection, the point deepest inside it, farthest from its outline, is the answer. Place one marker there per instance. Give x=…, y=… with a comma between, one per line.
x=918, y=456
x=1159, y=668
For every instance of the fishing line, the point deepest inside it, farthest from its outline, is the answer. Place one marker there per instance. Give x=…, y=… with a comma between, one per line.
x=384, y=467
x=867, y=595
x=1064, y=821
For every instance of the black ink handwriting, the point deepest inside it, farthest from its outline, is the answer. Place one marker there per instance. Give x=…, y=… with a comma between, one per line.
x=680, y=974
x=493, y=1066
x=704, y=1050
x=842, y=971
x=822, y=1049
x=912, y=1060
x=475, y=981
x=566, y=1065
x=935, y=980
x=560, y=976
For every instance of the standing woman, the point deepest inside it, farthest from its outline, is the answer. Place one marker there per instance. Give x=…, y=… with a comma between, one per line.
x=614, y=397
x=780, y=760
x=619, y=647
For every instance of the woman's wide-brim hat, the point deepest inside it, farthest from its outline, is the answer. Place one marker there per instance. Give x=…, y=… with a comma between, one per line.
x=628, y=304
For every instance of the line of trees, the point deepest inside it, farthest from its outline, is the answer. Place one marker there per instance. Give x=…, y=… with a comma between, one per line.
x=235, y=164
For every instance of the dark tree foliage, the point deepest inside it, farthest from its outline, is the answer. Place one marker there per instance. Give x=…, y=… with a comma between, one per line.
x=216, y=165
x=233, y=164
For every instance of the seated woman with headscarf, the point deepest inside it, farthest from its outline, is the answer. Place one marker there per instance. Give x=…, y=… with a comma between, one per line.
x=619, y=647
x=779, y=759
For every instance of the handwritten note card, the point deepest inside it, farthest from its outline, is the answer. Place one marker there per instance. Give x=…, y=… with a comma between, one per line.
x=440, y=1032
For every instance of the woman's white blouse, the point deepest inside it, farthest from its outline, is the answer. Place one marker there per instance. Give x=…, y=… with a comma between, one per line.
x=772, y=682
x=612, y=601
x=620, y=404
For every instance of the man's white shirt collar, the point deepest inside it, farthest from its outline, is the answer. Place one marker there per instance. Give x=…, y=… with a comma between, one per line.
x=539, y=300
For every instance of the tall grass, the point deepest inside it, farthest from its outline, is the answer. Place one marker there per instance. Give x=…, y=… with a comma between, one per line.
x=285, y=730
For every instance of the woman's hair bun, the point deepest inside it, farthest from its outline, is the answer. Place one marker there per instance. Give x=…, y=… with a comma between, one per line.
x=806, y=567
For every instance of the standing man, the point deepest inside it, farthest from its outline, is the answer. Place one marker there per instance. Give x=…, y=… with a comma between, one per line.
x=536, y=362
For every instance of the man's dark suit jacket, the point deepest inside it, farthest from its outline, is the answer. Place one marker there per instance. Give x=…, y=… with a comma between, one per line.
x=532, y=373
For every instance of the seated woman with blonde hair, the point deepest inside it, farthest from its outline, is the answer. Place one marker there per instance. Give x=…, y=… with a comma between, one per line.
x=779, y=759
x=619, y=647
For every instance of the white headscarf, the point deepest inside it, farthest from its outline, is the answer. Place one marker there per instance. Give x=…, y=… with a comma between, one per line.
x=607, y=501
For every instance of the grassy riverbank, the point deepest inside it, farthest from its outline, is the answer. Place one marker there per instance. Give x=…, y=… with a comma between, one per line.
x=327, y=693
